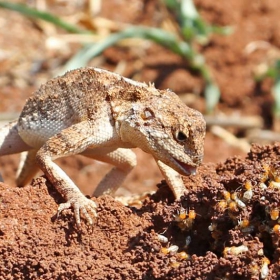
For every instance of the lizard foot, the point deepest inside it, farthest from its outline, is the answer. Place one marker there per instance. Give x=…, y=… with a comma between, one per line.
x=80, y=204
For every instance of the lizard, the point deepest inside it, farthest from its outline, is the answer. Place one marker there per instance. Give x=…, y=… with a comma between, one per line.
x=102, y=115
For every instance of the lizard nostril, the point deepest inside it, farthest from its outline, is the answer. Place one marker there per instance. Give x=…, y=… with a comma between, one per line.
x=197, y=159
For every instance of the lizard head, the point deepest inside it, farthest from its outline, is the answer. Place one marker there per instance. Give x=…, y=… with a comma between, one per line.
x=166, y=128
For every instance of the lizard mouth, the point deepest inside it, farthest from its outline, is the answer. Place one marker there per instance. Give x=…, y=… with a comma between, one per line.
x=186, y=169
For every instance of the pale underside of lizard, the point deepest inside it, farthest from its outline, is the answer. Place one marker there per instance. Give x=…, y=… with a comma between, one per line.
x=101, y=115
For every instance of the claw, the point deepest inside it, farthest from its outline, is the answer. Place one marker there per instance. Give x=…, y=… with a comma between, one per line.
x=80, y=205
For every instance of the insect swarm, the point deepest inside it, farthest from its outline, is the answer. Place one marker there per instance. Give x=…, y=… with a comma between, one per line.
x=162, y=238
x=180, y=256
x=235, y=250
x=239, y=202
x=232, y=202
x=276, y=229
x=243, y=223
x=232, y=206
x=185, y=219
x=266, y=173
x=212, y=227
x=254, y=269
x=274, y=213
x=274, y=175
x=245, y=226
x=264, y=269
x=274, y=184
x=247, y=195
x=174, y=263
x=227, y=196
x=173, y=249
x=183, y=256
x=181, y=215
x=222, y=205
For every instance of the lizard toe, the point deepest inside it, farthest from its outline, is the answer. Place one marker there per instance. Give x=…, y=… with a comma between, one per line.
x=80, y=205
x=62, y=207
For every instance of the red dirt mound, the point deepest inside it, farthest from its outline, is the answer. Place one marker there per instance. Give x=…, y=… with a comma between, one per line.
x=227, y=226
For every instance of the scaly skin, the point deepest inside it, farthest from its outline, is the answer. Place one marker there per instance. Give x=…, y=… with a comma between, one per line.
x=101, y=115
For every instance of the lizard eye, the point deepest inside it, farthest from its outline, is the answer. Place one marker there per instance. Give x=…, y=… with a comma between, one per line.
x=180, y=136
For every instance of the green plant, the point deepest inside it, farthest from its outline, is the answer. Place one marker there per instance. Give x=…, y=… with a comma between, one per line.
x=192, y=29
x=192, y=26
x=273, y=71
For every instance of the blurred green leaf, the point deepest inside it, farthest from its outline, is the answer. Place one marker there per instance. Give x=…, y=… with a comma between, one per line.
x=273, y=72
x=222, y=30
x=188, y=9
x=156, y=35
x=171, y=4
x=193, y=27
x=276, y=89
x=212, y=95
x=276, y=93
x=34, y=13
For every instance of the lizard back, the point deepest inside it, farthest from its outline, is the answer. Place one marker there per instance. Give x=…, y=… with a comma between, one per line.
x=61, y=102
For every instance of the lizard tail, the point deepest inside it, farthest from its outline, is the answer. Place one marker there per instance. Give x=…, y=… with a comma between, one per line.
x=10, y=141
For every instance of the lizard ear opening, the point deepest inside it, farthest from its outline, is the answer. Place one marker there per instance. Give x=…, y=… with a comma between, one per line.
x=147, y=114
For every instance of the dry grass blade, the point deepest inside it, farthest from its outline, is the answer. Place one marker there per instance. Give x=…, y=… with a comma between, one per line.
x=242, y=122
x=258, y=135
x=230, y=138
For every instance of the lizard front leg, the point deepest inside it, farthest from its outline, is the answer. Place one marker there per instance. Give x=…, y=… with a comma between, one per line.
x=173, y=179
x=70, y=141
x=123, y=159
